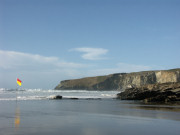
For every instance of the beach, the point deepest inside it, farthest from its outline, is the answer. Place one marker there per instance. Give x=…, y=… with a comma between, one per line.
x=89, y=67
x=86, y=117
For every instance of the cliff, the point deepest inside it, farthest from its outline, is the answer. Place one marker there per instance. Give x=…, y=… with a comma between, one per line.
x=121, y=81
x=164, y=92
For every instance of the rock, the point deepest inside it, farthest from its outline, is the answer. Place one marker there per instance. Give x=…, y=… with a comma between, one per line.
x=74, y=98
x=56, y=97
x=165, y=92
x=93, y=98
x=121, y=81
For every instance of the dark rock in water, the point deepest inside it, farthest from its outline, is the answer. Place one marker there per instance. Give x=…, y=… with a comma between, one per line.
x=71, y=98
x=166, y=92
x=74, y=98
x=121, y=81
x=93, y=98
x=57, y=97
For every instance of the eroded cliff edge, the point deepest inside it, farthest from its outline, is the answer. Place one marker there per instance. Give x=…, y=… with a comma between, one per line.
x=121, y=81
x=161, y=92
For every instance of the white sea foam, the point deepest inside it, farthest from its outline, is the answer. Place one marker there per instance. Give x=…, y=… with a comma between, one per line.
x=2, y=89
x=7, y=99
x=31, y=97
x=40, y=94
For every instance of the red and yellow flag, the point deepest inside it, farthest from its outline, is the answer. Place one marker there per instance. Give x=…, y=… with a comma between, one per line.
x=19, y=82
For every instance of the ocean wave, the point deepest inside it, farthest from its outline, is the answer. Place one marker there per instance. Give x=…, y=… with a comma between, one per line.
x=52, y=91
x=31, y=97
x=40, y=94
x=7, y=99
x=2, y=89
x=24, y=98
x=107, y=95
x=10, y=90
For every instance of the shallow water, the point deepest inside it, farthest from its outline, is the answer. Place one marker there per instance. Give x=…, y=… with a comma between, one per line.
x=85, y=117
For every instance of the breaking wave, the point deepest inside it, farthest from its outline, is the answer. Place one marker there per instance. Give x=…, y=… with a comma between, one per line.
x=40, y=94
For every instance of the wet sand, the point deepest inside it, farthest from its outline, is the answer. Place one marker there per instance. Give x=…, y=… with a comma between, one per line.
x=87, y=117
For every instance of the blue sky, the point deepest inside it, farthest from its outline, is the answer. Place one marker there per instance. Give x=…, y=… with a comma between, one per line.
x=45, y=41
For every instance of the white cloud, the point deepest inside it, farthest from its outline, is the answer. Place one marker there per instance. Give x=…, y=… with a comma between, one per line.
x=92, y=53
x=39, y=71
x=36, y=71
x=26, y=61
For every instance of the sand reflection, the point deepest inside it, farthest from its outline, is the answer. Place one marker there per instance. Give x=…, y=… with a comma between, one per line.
x=160, y=108
x=17, y=117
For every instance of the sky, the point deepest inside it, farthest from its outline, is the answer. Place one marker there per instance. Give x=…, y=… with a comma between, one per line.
x=43, y=42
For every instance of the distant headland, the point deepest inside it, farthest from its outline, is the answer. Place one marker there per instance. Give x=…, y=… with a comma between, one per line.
x=121, y=81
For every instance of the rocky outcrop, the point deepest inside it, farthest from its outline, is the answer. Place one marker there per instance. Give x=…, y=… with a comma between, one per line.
x=121, y=81
x=56, y=97
x=164, y=92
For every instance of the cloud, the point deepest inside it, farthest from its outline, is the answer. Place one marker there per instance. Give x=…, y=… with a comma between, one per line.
x=26, y=61
x=36, y=71
x=91, y=53
x=39, y=71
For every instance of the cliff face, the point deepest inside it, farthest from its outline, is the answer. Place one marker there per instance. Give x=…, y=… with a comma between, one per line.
x=161, y=92
x=121, y=81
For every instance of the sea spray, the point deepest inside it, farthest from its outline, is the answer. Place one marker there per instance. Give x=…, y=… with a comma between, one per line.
x=40, y=94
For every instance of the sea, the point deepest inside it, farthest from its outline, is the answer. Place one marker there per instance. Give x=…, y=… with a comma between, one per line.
x=82, y=112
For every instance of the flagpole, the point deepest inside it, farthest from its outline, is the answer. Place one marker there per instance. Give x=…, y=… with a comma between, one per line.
x=18, y=84
x=17, y=111
x=16, y=91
